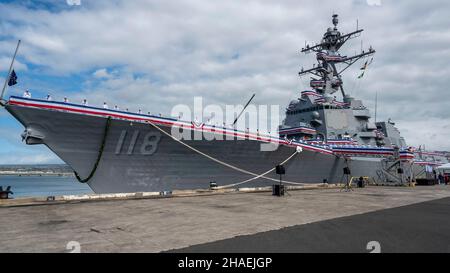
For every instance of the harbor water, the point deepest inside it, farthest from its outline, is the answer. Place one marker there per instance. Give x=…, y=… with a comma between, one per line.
x=37, y=186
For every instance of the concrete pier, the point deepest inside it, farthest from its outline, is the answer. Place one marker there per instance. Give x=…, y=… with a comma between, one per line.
x=162, y=224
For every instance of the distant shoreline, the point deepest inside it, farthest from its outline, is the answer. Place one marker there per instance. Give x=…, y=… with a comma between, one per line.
x=54, y=170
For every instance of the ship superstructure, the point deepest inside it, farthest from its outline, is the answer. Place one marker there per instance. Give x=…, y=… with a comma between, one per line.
x=318, y=114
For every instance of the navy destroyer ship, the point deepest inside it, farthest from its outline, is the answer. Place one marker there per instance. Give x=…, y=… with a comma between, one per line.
x=321, y=140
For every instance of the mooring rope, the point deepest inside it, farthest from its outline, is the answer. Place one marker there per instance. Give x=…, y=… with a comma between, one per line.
x=259, y=176
x=256, y=176
x=99, y=156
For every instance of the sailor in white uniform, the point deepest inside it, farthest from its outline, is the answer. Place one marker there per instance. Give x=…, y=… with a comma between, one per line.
x=27, y=94
x=49, y=97
x=116, y=108
x=105, y=106
x=85, y=102
x=66, y=100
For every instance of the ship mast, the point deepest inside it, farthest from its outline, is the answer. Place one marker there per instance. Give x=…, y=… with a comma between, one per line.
x=326, y=77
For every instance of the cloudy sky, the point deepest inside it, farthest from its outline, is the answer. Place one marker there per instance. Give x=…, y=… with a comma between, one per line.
x=154, y=55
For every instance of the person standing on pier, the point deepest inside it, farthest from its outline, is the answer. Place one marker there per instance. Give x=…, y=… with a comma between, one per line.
x=440, y=179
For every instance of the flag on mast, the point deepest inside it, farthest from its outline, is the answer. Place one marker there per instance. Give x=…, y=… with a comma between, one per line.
x=12, y=78
x=364, y=68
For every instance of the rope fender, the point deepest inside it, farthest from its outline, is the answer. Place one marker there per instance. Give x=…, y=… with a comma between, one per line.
x=99, y=156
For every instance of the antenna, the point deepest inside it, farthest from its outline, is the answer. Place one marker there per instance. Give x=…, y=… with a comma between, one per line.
x=376, y=105
x=335, y=20
x=243, y=109
x=330, y=64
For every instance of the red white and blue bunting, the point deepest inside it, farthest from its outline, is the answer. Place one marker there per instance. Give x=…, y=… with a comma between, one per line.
x=332, y=147
x=297, y=130
x=320, y=99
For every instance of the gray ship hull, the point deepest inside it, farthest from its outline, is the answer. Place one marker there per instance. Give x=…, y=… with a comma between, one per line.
x=138, y=157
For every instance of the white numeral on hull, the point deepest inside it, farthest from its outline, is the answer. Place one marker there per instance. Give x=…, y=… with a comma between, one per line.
x=148, y=147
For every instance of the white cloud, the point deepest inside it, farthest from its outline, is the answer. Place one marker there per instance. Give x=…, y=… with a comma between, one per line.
x=73, y=2
x=432, y=132
x=374, y=2
x=6, y=62
x=101, y=74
